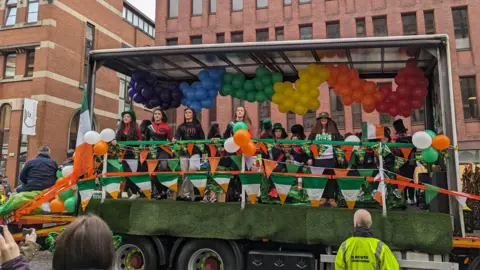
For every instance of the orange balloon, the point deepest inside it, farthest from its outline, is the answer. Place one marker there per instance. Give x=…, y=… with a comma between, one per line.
x=379, y=96
x=100, y=148
x=337, y=89
x=368, y=109
x=370, y=87
x=441, y=142
x=346, y=90
x=357, y=84
x=61, y=181
x=343, y=79
x=368, y=101
x=357, y=96
x=353, y=74
x=343, y=68
x=332, y=80
x=334, y=72
x=249, y=149
x=347, y=100
x=242, y=137
x=57, y=206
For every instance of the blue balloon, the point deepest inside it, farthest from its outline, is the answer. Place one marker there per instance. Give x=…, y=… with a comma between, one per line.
x=196, y=84
x=218, y=85
x=131, y=92
x=148, y=92
x=202, y=75
x=196, y=106
x=200, y=94
x=212, y=93
x=207, y=83
x=184, y=85
x=207, y=103
x=191, y=95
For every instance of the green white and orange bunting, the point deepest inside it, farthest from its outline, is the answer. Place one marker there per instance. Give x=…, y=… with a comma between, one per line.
x=86, y=189
x=112, y=185
x=199, y=180
x=283, y=184
x=351, y=189
x=314, y=187
x=292, y=168
x=322, y=149
x=143, y=183
x=340, y=153
x=133, y=164
x=430, y=192
x=251, y=184
x=360, y=152
x=399, y=161
x=223, y=179
x=169, y=180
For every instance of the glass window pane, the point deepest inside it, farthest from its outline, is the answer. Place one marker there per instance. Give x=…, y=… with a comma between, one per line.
x=10, y=2
x=279, y=34
x=237, y=5
x=429, y=19
x=30, y=63
x=306, y=32
x=304, y=1
x=140, y=23
x=409, y=23
x=172, y=8
x=309, y=120
x=263, y=111
x=135, y=20
x=262, y=3
x=380, y=26
x=469, y=98
x=361, y=31
x=291, y=120
x=357, y=115
x=197, y=7
x=337, y=110
x=333, y=30
x=10, y=64
x=32, y=11
x=12, y=16
x=196, y=40
x=221, y=38
x=287, y=2
x=213, y=6
x=237, y=37
x=460, y=25
x=172, y=42
x=129, y=16
x=418, y=116
x=262, y=35
x=124, y=12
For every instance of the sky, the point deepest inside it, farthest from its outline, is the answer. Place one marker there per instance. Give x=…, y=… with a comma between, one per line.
x=145, y=6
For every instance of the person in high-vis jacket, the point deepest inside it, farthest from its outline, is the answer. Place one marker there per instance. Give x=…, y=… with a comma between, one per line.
x=362, y=251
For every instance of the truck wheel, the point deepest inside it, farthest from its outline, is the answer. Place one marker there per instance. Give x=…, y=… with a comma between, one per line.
x=135, y=253
x=475, y=264
x=206, y=254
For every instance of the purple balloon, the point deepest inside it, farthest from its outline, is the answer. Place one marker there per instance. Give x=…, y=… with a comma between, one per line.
x=139, y=86
x=138, y=76
x=131, y=92
x=148, y=92
x=172, y=86
x=155, y=101
x=150, y=80
x=177, y=95
x=166, y=96
x=175, y=104
x=131, y=83
x=165, y=106
x=158, y=89
x=138, y=98
x=149, y=106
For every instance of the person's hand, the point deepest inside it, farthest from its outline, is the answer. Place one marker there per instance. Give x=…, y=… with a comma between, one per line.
x=174, y=140
x=9, y=250
x=114, y=142
x=310, y=162
x=32, y=237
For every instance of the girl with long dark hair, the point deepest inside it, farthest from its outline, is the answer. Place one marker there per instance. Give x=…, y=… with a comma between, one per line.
x=240, y=116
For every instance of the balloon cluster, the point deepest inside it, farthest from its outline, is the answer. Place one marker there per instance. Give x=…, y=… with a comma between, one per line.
x=65, y=201
x=201, y=94
x=99, y=141
x=305, y=95
x=430, y=143
x=241, y=140
x=259, y=89
x=146, y=90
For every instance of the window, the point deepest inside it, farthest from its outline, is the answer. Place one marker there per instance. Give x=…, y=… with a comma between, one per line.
x=361, y=29
x=380, y=26
x=460, y=25
x=172, y=8
x=279, y=35
x=333, y=29
x=22, y=153
x=172, y=41
x=306, y=31
x=262, y=3
x=89, y=45
x=469, y=98
x=263, y=111
x=124, y=12
x=409, y=23
x=429, y=19
x=262, y=35
x=124, y=102
x=196, y=40
x=287, y=2
x=357, y=115
x=32, y=11
x=237, y=37
x=212, y=112
x=129, y=16
x=10, y=65
x=418, y=116
x=5, y=113
x=337, y=110
x=197, y=7
x=11, y=12
x=235, y=104
x=135, y=20
x=237, y=5
x=309, y=120
x=291, y=120
x=220, y=38
x=212, y=8
x=304, y=1
x=140, y=23
x=30, y=63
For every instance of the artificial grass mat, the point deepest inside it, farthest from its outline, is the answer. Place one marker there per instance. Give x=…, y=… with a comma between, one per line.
x=422, y=232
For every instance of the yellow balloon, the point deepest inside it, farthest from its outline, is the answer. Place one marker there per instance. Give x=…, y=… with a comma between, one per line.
x=304, y=100
x=300, y=109
x=279, y=87
x=312, y=68
x=302, y=87
x=288, y=93
x=302, y=73
x=313, y=104
x=277, y=98
x=324, y=73
x=288, y=85
x=295, y=96
x=315, y=81
x=289, y=104
x=282, y=108
x=314, y=93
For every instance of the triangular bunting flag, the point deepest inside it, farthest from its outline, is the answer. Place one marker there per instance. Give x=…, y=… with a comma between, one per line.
x=237, y=160
x=365, y=172
x=86, y=189
x=340, y=153
x=360, y=154
x=249, y=161
x=169, y=180
x=223, y=179
x=283, y=184
x=430, y=192
x=190, y=148
x=112, y=185
x=152, y=164
x=262, y=147
x=270, y=165
x=173, y=164
x=143, y=183
x=463, y=202
x=115, y=163
x=322, y=149
x=348, y=151
x=166, y=149
x=133, y=164
x=386, y=150
x=406, y=152
x=351, y=189
x=317, y=170
x=378, y=193
x=399, y=161
x=199, y=180
x=213, y=150
x=251, y=183
x=143, y=155
x=97, y=164
x=403, y=179
x=314, y=149
x=341, y=172
x=292, y=168
x=315, y=187
x=213, y=163
x=121, y=155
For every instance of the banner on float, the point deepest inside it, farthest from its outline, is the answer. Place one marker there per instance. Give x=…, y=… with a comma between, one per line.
x=29, y=121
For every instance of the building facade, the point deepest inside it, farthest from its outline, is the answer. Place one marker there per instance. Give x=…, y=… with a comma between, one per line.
x=44, y=46
x=217, y=21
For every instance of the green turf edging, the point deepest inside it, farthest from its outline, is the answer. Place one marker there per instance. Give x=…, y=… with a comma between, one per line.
x=423, y=232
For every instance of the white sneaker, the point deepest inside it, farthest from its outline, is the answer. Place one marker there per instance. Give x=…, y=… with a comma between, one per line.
x=124, y=195
x=397, y=193
x=410, y=202
x=134, y=196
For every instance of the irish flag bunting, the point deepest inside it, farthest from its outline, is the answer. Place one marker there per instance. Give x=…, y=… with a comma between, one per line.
x=169, y=180
x=199, y=180
x=315, y=187
x=112, y=185
x=251, y=184
x=283, y=184
x=223, y=179
x=143, y=183
x=133, y=164
x=85, y=189
x=83, y=160
x=371, y=131
x=351, y=189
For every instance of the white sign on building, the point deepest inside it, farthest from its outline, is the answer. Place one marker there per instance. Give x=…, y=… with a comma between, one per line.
x=29, y=121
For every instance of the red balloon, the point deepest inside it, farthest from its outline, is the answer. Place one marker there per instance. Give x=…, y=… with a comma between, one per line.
x=400, y=79
x=345, y=90
x=406, y=113
x=423, y=82
x=416, y=104
x=385, y=89
x=347, y=100
x=393, y=97
x=370, y=87
x=379, y=96
x=334, y=72
x=343, y=79
x=411, y=62
x=337, y=89
x=403, y=104
x=412, y=81
x=419, y=93
x=382, y=107
x=393, y=110
x=357, y=96
x=403, y=91
x=353, y=74
x=332, y=80
x=368, y=101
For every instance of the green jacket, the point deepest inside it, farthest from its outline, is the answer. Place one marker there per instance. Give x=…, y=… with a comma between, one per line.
x=365, y=253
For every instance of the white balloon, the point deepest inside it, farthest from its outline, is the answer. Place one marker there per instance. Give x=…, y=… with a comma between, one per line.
x=67, y=170
x=352, y=138
x=92, y=137
x=107, y=135
x=422, y=140
x=230, y=146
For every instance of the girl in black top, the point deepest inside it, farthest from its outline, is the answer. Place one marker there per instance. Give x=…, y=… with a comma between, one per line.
x=214, y=132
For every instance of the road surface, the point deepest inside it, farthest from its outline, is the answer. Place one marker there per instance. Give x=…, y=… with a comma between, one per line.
x=42, y=261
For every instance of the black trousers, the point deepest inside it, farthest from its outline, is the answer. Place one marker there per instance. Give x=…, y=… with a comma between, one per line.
x=332, y=185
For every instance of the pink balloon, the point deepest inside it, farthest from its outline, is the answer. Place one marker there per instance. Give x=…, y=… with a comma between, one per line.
x=403, y=104
x=386, y=90
x=400, y=79
x=393, y=97
x=419, y=93
x=382, y=107
x=416, y=104
x=403, y=91
x=393, y=110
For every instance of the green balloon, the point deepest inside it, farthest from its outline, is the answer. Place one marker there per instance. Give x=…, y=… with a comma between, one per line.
x=261, y=97
x=430, y=155
x=240, y=94
x=431, y=133
x=239, y=125
x=266, y=80
x=269, y=90
x=261, y=71
x=259, y=86
x=277, y=77
x=248, y=85
x=66, y=194
x=227, y=89
x=70, y=204
x=239, y=76
x=252, y=96
x=227, y=78
x=59, y=174
x=237, y=83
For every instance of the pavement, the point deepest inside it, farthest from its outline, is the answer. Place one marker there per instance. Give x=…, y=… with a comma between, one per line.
x=42, y=261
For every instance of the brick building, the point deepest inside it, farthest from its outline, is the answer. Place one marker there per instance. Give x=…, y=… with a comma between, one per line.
x=216, y=21
x=44, y=46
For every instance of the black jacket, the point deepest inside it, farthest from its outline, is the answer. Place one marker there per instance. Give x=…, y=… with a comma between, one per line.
x=190, y=131
x=39, y=173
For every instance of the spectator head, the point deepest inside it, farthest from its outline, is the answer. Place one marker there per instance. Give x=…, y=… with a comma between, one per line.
x=44, y=150
x=86, y=244
x=362, y=218
x=70, y=153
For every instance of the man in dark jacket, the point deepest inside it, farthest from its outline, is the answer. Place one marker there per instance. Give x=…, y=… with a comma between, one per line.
x=38, y=173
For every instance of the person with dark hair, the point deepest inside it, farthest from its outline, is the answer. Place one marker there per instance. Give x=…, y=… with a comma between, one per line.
x=387, y=133
x=298, y=155
x=214, y=132
x=297, y=131
x=144, y=127
x=266, y=129
x=87, y=243
x=326, y=130
x=400, y=129
x=240, y=116
x=39, y=173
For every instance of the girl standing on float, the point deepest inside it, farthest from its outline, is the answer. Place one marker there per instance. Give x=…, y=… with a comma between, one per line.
x=326, y=130
x=240, y=116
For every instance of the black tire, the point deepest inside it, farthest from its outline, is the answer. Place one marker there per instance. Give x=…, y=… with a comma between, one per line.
x=222, y=248
x=145, y=245
x=475, y=265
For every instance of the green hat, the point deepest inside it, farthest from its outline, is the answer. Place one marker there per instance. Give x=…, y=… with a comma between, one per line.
x=279, y=126
x=266, y=124
x=323, y=115
x=132, y=113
